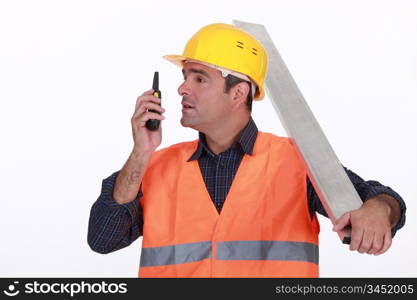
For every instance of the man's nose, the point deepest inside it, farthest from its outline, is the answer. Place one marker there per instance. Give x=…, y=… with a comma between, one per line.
x=184, y=89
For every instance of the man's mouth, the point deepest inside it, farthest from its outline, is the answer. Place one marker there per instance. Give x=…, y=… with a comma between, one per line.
x=186, y=106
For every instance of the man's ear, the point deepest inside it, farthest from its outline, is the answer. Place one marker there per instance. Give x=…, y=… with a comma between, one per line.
x=240, y=93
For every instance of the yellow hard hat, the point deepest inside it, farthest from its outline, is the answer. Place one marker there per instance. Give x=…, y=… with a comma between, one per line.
x=228, y=47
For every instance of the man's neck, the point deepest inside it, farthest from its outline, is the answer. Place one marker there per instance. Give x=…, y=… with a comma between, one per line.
x=221, y=139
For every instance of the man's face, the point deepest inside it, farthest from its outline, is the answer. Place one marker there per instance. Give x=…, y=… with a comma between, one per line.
x=203, y=90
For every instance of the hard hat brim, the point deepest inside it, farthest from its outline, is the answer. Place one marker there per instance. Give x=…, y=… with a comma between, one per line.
x=177, y=60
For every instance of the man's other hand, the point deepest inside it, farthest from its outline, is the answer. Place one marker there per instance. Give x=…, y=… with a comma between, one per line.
x=371, y=225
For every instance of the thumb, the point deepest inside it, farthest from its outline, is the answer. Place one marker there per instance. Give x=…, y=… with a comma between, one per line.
x=342, y=222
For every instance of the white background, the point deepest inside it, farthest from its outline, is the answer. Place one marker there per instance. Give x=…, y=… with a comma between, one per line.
x=70, y=72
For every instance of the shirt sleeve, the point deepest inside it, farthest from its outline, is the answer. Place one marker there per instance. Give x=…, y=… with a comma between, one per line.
x=365, y=189
x=113, y=226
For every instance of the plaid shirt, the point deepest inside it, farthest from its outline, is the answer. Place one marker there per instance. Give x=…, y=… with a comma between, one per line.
x=113, y=226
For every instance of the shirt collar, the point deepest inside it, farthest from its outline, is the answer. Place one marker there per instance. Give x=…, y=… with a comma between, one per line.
x=246, y=141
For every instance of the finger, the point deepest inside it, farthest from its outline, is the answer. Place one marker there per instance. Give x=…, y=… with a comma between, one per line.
x=151, y=105
x=387, y=243
x=342, y=222
x=144, y=107
x=148, y=92
x=356, y=236
x=367, y=239
x=147, y=97
x=376, y=243
x=148, y=116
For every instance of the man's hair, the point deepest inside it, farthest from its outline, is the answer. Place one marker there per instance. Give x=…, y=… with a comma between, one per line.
x=231, y=81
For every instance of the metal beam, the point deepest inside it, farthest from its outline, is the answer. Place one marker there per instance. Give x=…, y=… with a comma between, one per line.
x=326, y=173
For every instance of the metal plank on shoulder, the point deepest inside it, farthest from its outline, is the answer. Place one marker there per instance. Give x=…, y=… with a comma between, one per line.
x=333, y=186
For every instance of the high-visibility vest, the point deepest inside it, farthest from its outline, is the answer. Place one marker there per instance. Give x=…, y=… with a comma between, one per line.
x=264, y=228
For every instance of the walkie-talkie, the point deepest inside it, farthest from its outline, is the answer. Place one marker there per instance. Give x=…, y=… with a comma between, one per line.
x=153, y=124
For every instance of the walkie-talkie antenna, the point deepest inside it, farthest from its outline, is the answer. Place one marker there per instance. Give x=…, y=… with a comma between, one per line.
x=153, y=124
x=155, y=83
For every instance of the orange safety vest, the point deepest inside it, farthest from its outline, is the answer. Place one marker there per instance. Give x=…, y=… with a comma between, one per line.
x=263, y=230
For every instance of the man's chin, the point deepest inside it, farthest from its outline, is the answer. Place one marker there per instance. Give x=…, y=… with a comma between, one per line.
x=184, y=123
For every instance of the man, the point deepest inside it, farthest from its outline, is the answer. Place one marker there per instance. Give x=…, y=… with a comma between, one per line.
x=237, y=202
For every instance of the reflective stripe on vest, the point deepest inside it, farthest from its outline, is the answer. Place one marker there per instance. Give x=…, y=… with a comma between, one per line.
x=175, y=254
x=268, y=250
x=235, y=250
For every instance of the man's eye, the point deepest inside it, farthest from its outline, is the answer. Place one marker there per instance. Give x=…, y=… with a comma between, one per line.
x=199, y=79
